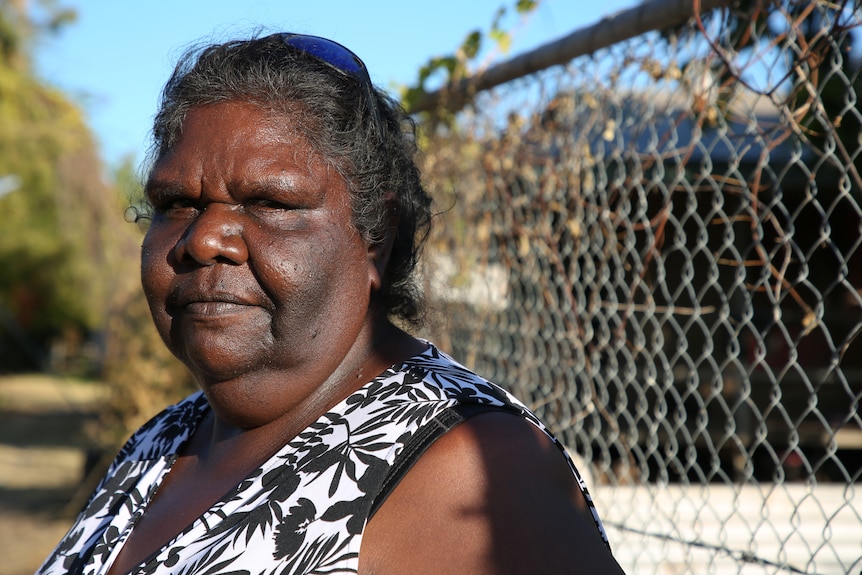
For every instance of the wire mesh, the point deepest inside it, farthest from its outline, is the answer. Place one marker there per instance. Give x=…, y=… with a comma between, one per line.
x=657, y=246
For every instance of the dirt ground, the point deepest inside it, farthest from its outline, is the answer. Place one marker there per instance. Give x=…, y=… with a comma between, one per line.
x=43, y=449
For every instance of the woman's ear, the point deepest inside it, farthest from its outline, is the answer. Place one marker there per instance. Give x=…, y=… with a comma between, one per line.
x=379, y=252
x=378, y=257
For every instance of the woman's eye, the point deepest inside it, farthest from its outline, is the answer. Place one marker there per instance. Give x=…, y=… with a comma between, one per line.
x=178, y=208
x=264, y=205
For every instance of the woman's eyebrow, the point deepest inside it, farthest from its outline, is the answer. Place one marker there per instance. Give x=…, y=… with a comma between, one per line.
x=155, y=186
x=290, y=185
x=275, y=183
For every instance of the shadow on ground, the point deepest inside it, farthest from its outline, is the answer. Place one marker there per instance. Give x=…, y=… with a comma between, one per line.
x=43, y=457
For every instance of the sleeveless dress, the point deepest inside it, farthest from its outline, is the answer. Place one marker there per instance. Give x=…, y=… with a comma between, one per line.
x=305, y=509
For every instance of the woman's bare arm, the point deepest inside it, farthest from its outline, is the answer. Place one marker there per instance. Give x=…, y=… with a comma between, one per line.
x=491, y=496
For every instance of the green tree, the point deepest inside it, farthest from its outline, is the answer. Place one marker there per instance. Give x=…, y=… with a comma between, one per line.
x=52, y=252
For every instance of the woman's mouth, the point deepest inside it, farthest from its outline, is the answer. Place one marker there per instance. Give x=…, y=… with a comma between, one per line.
x=213, y=308
x=212, y=304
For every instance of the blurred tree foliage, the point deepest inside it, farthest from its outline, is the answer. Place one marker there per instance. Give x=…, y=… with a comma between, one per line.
x=70, y=295
x=50, y=247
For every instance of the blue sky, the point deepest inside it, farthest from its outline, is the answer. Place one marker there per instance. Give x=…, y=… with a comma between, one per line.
x=116, y=57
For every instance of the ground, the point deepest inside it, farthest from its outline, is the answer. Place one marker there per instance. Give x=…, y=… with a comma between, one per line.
x=43, y=450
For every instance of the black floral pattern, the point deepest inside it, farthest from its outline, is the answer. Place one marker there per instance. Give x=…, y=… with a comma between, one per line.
x=303, y=511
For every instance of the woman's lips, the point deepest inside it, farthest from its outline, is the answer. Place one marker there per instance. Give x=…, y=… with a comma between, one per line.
x=214, y=308
x=213, y=304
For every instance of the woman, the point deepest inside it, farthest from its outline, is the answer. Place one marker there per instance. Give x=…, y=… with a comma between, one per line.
x=287, y=214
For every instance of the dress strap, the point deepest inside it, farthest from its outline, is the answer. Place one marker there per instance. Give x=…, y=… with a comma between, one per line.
x=422, y=440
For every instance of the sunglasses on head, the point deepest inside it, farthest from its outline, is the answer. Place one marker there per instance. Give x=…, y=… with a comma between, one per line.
x=342, y=60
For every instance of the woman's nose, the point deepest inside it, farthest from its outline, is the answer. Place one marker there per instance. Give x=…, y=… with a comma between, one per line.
x=214, y=236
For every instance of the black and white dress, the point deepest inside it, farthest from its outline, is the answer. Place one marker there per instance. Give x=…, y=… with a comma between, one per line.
x=304, y=510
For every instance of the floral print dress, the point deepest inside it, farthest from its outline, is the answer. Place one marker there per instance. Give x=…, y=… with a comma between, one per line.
x=304, y=510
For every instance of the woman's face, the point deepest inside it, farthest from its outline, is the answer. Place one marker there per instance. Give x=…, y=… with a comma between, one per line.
x=252, y=266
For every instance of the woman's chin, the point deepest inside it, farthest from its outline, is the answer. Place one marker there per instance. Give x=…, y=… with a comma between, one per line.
x=220, y=352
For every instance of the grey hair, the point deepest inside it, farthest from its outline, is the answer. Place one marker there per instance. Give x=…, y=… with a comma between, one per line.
x=372, y=150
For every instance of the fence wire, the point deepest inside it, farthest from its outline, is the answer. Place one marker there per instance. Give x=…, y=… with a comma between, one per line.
x=658, y=246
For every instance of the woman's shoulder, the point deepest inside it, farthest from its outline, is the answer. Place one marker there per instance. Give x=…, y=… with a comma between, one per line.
x=492, y=495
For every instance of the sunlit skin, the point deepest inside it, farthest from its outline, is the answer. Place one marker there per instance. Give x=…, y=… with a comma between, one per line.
x=255, y=276
x=259, y=282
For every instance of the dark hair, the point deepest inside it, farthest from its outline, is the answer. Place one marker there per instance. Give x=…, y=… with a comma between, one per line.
x=335, y=116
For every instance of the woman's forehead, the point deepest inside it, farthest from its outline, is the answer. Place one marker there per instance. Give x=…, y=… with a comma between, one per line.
x=243, y=140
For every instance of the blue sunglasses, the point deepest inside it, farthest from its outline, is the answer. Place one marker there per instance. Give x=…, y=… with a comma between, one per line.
x=342, y=60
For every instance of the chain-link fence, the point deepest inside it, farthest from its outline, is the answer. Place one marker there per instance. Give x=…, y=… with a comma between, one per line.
x=658, y=246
